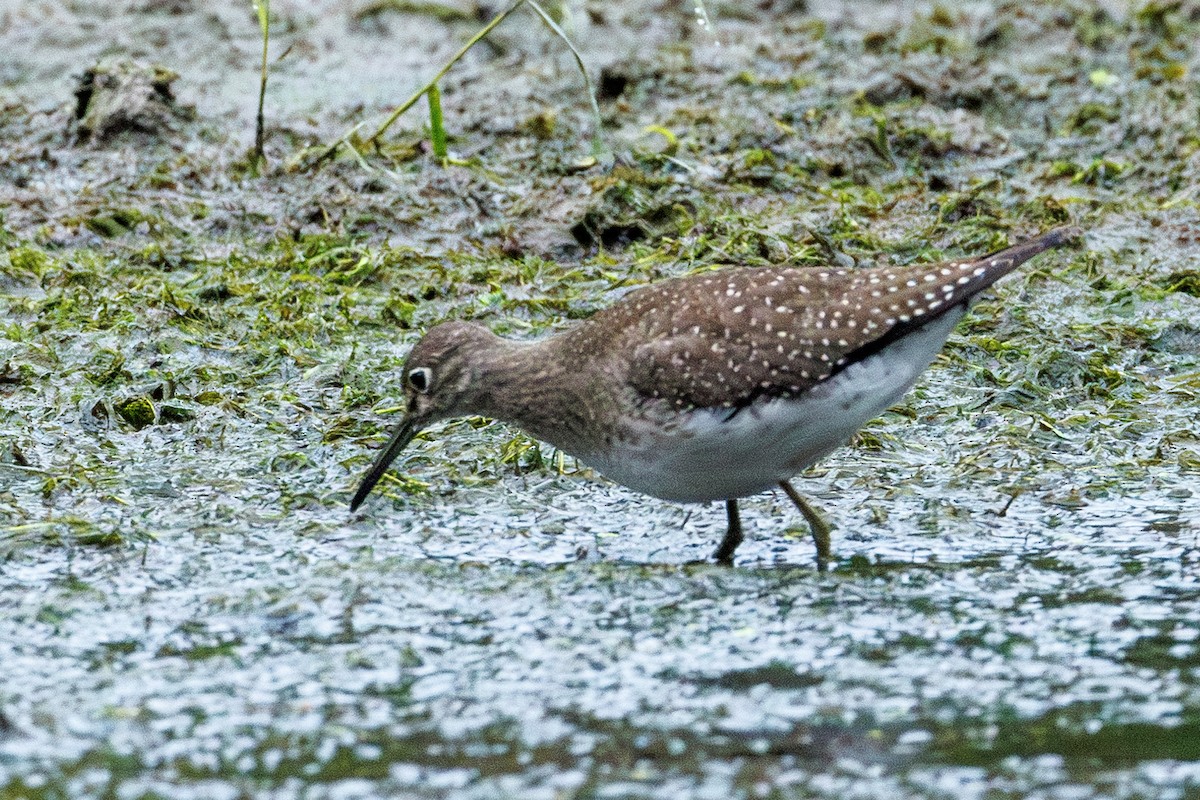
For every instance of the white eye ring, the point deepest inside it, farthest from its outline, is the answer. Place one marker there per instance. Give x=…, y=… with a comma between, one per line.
x=420, y=379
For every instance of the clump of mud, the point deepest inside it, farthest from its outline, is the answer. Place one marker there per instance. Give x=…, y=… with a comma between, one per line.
x=120, y=95
x=629, y=206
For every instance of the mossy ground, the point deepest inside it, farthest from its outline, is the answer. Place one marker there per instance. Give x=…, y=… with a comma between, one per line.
x=195, y=366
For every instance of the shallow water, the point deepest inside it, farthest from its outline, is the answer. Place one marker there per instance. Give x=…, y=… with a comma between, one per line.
x=529, y=650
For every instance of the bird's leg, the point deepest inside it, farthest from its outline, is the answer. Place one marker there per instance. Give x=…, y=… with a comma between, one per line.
x=733, y=536
x=817, y=523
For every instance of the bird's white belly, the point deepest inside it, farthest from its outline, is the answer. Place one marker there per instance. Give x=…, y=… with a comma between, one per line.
x=707, y=455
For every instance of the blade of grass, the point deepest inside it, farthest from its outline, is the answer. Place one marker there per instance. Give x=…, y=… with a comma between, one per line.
x=598, y=148
x=263, y=7
x=331, y=151
x=437, y=131
x=474, y=40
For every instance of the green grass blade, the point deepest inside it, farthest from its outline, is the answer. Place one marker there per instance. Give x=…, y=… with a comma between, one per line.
x=474, y=40
x=437, y=131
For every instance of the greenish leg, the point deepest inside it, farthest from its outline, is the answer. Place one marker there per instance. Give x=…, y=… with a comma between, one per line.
x=818, y=525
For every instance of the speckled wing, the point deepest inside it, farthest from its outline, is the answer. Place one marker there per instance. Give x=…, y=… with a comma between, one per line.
x=726, y=338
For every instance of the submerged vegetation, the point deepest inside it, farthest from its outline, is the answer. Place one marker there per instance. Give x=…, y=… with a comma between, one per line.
x=196, y=364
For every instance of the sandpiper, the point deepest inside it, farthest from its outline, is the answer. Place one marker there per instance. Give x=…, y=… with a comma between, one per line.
x=712, y=386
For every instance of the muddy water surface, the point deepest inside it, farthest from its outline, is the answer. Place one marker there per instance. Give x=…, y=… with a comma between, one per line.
x=197, y=364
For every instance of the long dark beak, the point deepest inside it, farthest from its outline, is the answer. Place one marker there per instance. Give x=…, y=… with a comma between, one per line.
x=400, y=439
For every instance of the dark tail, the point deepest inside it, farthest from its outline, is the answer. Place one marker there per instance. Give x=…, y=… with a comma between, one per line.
x=957, y=282
x=977, y=274
x=1002, y=262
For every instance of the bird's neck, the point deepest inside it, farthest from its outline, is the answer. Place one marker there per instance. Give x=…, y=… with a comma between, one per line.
x=533, y=386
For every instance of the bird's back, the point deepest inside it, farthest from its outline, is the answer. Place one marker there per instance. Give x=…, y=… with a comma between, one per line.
x=723, y=339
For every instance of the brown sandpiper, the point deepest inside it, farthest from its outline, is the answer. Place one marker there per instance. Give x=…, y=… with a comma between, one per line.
x=713, y=386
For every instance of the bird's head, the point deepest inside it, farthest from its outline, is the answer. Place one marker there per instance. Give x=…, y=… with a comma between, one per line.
x=441, y=376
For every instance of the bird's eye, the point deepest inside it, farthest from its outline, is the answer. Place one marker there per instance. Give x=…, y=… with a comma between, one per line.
x=420, y=378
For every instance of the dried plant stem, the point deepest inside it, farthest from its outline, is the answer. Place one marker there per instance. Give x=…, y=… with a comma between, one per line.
x=597, y=141
x=263, y=7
